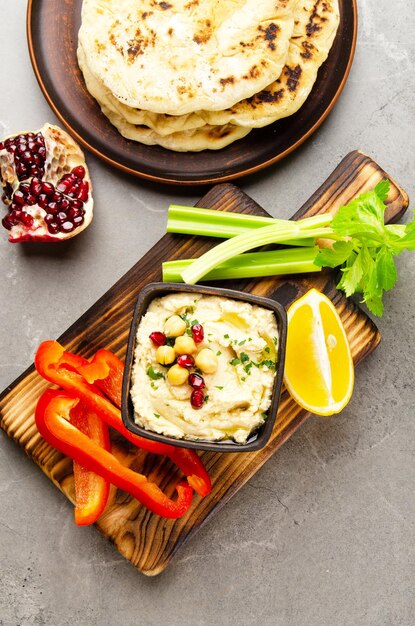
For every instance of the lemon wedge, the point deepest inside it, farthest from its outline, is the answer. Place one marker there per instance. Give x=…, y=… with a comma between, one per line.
x=319, y=372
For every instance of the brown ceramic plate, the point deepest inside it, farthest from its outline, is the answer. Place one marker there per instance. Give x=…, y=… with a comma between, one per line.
x=52, y=28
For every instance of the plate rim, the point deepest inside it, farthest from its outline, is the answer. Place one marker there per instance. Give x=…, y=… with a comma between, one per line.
x=200, y=181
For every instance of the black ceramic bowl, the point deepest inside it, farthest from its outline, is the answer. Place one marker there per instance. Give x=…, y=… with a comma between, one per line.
x=259, y=438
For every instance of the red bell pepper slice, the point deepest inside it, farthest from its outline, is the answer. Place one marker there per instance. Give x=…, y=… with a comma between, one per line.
x=91, y=490
x=106, y=371
x=58, y=367
x=53, y=420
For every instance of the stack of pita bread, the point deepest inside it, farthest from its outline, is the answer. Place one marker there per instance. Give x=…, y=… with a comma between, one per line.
x=191, y=75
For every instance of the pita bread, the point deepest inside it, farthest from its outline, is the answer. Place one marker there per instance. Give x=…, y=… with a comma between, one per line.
x=204, y=138
x=181, y=56
x=316, y=23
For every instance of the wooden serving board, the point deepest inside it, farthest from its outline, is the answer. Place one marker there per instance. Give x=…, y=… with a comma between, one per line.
x=147, y=540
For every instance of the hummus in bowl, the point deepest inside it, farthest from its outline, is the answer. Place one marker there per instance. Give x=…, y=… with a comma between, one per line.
x=204, y=367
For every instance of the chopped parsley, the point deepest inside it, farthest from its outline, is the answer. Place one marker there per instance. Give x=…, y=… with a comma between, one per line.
x=241, y=343
x=226, y=336
x=267, y=349
x=219, y=387
x=151, y=373
x=244, y=357
x=235, y=361
x=218, y=353
x=205, y=399
x=157, y=415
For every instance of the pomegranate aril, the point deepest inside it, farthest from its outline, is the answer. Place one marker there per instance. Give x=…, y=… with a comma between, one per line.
x=159, y=339
x=21, y=170
x=42, y=152
x=53, y=228
x=30, y=199
x=78, y=220
x=42, y=200
x=77, y=204
x=196, y=381
x=49, y=218
x=19, y=197
x=48, y=189
x=34, y=170
x=27, y=219
x=61, y=217
x=36, y=186
x=15, y=216
x=198, y=333
x=197, y=399
x=25, y=187
x=79, y=171
x=73, y=211
x=52, y=207
x=1, y=145
x=64, y=204
x=186, y=361
x=6, y=222
x=67, y=227
x=57, y=197
x=63, y=186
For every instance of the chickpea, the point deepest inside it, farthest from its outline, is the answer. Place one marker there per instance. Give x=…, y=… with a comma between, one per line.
x=207, y=361
x=177, y=375
x=174, y=326
x=185, y=345
x=165, y=355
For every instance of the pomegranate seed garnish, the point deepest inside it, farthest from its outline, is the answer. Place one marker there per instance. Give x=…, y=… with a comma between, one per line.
x=49, y=218
x=197, y=399
x=65, y=204
x=196, y=381
x=79, y=171
x=185, y=360
x=78, y=220
x=159, y=339
x=77, y=204
x=198, y=333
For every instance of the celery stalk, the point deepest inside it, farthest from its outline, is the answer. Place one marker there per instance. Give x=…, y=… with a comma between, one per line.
x=276, y=234
x=211, y=223
x=251, y=265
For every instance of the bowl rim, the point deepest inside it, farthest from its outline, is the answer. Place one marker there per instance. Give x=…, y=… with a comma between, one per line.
x=260, y=437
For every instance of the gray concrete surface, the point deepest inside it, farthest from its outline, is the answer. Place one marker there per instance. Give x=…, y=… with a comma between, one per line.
x=324, y=534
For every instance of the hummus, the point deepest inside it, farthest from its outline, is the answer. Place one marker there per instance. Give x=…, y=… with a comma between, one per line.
x=244, y=338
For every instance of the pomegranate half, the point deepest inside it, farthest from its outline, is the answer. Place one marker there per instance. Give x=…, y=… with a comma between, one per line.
x=46, y=186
